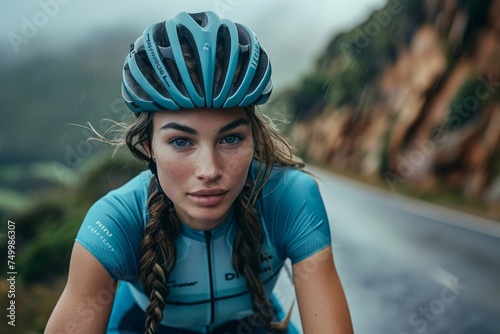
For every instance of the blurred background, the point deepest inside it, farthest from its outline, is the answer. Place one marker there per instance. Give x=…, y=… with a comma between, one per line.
x=398, y=97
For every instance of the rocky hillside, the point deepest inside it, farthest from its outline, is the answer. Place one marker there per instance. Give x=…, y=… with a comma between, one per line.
x=411, y=96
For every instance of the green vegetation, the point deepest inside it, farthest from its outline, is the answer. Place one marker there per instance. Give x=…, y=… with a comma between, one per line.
x=494, y=164
x=43, y=95
x=46, y=226
x=46, y=229
x=466, y=106
x=347, y=77
x=353, y=60
x=11, y=200
x=478, y=12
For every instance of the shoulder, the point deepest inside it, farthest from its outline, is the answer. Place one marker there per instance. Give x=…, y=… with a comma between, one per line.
x=131, y=195
x=135, y=187
x=125, y=206
x=113, y=227
x=293, y=213
x=286, y=183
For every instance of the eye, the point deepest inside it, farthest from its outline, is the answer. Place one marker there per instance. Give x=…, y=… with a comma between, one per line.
x=179, y=143
x=232, y=139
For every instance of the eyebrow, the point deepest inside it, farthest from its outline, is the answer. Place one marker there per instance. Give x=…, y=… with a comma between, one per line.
x=190, y=130
x=233, y=124
x=180, y=127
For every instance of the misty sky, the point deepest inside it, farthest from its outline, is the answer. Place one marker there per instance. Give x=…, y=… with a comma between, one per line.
x=293, y=32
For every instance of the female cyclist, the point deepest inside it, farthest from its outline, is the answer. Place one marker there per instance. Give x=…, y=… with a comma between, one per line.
x=195, y=243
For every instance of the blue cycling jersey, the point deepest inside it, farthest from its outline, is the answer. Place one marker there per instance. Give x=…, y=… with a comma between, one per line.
x=205, y=290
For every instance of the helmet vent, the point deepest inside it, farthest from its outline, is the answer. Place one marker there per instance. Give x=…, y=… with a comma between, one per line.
x=160, y=35
x=192, y=59
x=200, y=18
x=243, y=59
x=221, y=59
x=136, y=89
x=148, y=73
x=261, y=71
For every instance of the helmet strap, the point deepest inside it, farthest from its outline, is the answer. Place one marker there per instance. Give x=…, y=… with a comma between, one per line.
x=152, y=167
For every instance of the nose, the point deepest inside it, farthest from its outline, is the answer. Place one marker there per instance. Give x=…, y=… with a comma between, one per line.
x=209, y=166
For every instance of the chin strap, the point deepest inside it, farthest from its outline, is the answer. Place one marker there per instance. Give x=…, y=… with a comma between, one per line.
x=152, y=167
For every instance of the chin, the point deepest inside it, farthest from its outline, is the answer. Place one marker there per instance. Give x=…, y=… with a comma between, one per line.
x=210, y=215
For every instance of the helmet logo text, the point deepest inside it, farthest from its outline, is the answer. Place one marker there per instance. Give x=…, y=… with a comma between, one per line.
x=155, y=60
x=255, y=57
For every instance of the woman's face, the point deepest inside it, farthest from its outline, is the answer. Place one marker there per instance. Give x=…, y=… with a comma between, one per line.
x=203, y=156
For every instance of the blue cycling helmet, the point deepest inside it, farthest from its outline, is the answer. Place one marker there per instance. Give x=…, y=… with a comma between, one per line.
x=156, y=75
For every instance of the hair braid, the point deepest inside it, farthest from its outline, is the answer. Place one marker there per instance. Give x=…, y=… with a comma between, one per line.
x=246, y=254
x=247, y=248
x=158, y=254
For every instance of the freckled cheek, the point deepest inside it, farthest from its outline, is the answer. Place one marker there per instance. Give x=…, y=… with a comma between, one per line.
x=238, y=166
x=174, y=173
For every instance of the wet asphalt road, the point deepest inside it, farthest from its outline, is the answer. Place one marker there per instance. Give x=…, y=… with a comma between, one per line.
x=412, y=268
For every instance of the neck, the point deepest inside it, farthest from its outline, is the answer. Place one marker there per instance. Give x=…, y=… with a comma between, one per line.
x=200, y=224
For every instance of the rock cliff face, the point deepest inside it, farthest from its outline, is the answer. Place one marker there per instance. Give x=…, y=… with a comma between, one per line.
x=412, y=96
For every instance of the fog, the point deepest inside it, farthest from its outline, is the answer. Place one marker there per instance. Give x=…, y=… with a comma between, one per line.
x=293, y=32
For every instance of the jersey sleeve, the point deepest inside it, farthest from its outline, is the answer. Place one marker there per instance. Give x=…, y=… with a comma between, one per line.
x=113, y=229
x=300, y=226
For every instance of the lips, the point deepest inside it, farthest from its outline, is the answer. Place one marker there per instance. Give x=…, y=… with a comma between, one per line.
x=209, y=192
x=208, y=197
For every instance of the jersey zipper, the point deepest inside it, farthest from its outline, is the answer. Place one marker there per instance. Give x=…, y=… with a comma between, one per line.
x=208, y=239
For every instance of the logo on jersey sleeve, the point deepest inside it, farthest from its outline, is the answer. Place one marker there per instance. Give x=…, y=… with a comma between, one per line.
x=100, y=231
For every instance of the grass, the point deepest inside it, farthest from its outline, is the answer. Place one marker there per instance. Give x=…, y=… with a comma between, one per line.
x=34, y=304
x=12, y=200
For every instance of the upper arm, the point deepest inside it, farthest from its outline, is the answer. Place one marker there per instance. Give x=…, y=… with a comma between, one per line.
x=112, y=232
x=87, y=299
x=322, y=304
x=298, y=223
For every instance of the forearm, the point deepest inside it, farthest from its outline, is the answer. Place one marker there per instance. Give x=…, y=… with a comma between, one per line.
x=322, y=302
